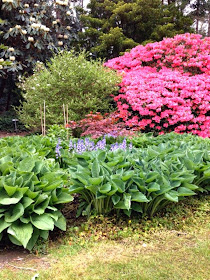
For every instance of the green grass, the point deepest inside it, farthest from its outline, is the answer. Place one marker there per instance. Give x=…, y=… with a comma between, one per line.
x=173, y=245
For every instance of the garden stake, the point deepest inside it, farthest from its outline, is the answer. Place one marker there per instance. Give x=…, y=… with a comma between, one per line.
x=64, y=115
x=41, y=119
x=67, y=121
x=44, y=119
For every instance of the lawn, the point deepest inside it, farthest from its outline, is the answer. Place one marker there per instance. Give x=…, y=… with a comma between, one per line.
x=170, y=246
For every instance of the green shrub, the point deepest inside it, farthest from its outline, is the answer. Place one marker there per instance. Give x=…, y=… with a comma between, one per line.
x=31, y=192
x=144, y=180
x=70, y=79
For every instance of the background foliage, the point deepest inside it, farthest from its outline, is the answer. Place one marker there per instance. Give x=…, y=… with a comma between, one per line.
x=85, y=85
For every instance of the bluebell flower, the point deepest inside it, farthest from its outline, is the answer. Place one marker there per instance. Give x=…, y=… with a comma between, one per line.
x=57, y=149
x=70, y=145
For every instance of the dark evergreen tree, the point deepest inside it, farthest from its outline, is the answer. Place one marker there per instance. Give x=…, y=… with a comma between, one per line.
x=112, y=27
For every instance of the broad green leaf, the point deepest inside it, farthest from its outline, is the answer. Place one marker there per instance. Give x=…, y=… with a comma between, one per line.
x=64, y=198
x=92, y=188
x=105, y=188
x=119, y=184
x=95, y=169
x=31, y=194
x=189, y=186
x=139, y=197
x=136, y=207
x=14, y=213
x=3, y=224
x=6, y=200
x=26, y=201
x=115, y=199
x=140, y=183
x=25, y=220
x=96, y=181
x=14, y=240
x=10, y=189
x=102, y=156
x=33, y=239
x=40, y=209
x=38, y=166
x=152, y=176
x=53, y=185
x=22, y=232
x=172, y=196
x=127, y=175
x=44, y=234
x=44, y=221
x=153, y=187
x=100, y=195
x=125, y=203
x=27, y=164
x=185, y=192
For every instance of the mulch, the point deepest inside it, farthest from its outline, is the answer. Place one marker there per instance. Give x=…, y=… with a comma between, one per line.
x=6, y=134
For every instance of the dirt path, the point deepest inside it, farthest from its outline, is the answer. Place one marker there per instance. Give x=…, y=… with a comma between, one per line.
x=6, y=134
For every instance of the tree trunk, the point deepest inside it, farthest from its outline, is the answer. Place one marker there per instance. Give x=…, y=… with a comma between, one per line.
x=208, y=34
x=2, y=87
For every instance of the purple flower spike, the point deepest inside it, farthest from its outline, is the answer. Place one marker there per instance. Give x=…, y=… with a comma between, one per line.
x=57, y=149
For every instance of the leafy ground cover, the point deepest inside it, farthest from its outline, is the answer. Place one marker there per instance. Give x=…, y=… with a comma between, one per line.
x=109, y=178
x=173, y=245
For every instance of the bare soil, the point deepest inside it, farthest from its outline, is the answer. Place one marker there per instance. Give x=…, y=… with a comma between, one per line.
x=6, y=134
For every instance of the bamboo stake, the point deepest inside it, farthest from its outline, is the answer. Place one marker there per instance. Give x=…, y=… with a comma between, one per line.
x=67, y=120
x=44, y=118
x=64, y=115
x=41, y=118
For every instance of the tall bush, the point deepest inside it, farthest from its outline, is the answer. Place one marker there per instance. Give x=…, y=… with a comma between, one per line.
x=166, y=85
x=85, y=85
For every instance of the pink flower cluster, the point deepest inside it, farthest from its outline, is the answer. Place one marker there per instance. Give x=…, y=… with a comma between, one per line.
x=166, y=85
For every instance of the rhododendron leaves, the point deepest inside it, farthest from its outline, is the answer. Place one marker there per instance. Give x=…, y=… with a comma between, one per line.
x=166, y=86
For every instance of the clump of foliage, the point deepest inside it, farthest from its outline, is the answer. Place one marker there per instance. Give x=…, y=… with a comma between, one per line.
x=166, y=85
x=97, y=125
x=31, y=191
x=33, y=30
x=143, y=180
x=112, y=27
x=70, y=79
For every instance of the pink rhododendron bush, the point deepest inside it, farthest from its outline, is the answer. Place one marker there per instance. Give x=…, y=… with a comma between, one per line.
x=166, y=85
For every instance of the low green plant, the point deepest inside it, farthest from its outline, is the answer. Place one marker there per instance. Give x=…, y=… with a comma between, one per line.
x=32, y=190
x=142, y=180
x=71, y=79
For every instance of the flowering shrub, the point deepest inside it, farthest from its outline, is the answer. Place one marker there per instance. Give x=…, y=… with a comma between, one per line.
x=166, y=85
x=97, y=125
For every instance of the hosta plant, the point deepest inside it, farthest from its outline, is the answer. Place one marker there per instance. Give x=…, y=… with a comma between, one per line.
x=143, y=181
x=32, y=190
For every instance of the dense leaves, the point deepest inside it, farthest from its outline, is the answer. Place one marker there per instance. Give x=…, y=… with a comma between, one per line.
x=166, y=85
x=69, y=79
x=112, y=27
x=32, y=189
